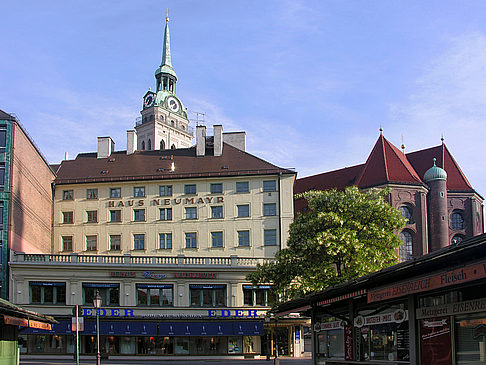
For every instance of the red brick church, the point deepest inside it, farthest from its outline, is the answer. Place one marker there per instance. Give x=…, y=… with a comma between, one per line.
x=428, y=187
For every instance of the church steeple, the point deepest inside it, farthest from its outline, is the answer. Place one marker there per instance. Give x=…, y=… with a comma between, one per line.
x=165, y=74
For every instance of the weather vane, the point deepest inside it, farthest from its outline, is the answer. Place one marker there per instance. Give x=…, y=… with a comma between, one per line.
x=167, y=15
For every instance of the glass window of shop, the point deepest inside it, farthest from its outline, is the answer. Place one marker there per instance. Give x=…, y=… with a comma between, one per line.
x=383, y=335
x=109, y=293
x=47, y=344
x=258, y=295
x=329, y=337
x=47, y=293
x=207, y=295
x=470, y=331
x=155, y=295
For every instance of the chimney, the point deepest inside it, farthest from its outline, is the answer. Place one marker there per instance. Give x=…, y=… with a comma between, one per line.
x=200, y=140
x=218, y=139
x=105, y=147
x=235, y=139
x=131, y=142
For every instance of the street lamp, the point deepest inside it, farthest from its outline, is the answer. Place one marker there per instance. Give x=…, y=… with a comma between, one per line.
x=97, y=305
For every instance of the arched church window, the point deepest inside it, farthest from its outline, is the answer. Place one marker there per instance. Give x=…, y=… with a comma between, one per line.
x=173, y=147
x=406, y=212
x=162, y=145
x=458, y=238
x=149, y=144
x=457, y=221
x=172, y=123
x=143, y=145
x=405, y=249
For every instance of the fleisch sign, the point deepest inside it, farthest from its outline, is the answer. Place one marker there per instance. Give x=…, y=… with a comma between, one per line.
x=421, y=284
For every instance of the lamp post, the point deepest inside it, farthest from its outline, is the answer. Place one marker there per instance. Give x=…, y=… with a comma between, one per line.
x=97, y=305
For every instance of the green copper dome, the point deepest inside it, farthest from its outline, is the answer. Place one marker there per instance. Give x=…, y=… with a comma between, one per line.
x=435, y=173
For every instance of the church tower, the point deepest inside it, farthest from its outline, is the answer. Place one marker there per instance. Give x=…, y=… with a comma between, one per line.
x=164, y=123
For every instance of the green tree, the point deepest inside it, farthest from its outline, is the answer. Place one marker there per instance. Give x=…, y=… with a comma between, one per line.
x=344, y=235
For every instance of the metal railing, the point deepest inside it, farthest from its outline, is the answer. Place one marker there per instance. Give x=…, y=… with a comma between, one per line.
x=128, y=259
x=189, y=130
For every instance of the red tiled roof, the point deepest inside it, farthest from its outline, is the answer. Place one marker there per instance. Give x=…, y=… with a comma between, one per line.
x=151, y=165
x=423, y=160
x=387, y=164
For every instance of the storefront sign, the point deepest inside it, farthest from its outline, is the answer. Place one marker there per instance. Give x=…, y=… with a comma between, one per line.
x=39, y=325
x=166, y=202
x=443, y=279
x=195, y=275
x=325, y=326
x=14, y=321
x=471, y=306
x=397, y=316
x=348, y=343
x=435, y=341
x=232, y=313
x=111, y=312
x=123, y=274
x=152, y=275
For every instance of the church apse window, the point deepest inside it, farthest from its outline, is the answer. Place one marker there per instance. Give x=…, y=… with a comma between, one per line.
x=405, y=249
x=149, y=145
x=406, y=212
x=457, y=221
x=143, y=145
x=458, y=238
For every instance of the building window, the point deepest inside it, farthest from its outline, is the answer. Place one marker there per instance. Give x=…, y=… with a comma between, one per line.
x=242, y=187
x=165, y=214
x=47, y=293
x=269, y=209
x=67, y=243
x=67, y=195
x=3, y=140
x=115, y=215
x=115, y=193
x=405, y=249
x=270, y=185
x=115, y=242
x=191, y=240
x=155, y=295
x=207, y=295
x=2, y=176
x=143, y=145
x=216, y=188
x=191, y=212
x=109, y=293
x=217, y=211
x=270, y=237
x=165, y=190
x=139, y=242
x=139, y=215
x=190, y=189
x=67, y=217
x=406, y=212
x=91, y=243
x=139, y=191
x=244, y=238
x=92, y=216
x=91, y=193
x=217, y=239
x=165, y=241
x=457, y=221
x=258, y=296
x=458, y=238
x=243, y=210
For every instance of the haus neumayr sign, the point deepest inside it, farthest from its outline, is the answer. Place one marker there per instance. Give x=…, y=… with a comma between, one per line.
x=166, y=201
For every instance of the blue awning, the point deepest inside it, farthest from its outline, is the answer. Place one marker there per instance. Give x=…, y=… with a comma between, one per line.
x=250, y=328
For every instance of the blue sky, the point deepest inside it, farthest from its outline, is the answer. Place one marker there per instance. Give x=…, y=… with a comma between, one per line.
x=311, y=82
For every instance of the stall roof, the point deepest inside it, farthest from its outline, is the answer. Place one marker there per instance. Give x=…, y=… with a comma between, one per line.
x=9, y=309
x=453, y=255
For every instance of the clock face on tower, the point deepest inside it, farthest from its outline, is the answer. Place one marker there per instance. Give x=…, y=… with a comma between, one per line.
x=173, y=104
x=149, y=100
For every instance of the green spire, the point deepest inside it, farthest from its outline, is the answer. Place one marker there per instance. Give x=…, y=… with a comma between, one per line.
x=166, y=65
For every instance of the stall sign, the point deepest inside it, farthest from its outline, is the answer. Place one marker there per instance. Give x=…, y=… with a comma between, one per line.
x=16, y=321
x=325, y=326
x=435, y=341
x=397, y=316
x=421, y=284
x=471, y=306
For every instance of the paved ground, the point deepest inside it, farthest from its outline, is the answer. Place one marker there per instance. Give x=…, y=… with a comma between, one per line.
x=282, y=361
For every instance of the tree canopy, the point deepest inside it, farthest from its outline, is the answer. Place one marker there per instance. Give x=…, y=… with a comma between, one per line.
x=344, y=235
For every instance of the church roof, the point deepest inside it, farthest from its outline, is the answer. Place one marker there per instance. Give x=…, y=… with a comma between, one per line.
x=386, y=164
x=156, y=165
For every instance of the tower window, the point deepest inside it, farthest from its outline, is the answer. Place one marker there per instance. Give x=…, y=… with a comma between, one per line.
x=405, y=249
x=457, y=221
x=149, y=145
x=162, y=145
x=143, y=145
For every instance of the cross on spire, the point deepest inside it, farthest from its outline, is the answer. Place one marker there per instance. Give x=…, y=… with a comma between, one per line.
x=167, y=15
